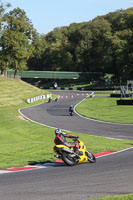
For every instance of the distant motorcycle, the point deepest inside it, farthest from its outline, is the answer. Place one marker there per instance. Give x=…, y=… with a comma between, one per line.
x=49, y=100
x=71, y=158
x=71, y=113
x=57, y=98
x=71, y=110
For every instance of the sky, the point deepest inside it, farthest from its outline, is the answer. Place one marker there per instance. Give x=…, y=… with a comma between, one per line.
x=46, y=15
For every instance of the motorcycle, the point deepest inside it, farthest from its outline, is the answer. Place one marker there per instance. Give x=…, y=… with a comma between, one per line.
x=49, y=100
x=72, y=158
x=56, y=100
x=71, y=110
x=71, y=113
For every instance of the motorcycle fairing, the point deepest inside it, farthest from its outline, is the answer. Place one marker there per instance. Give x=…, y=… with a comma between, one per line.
x=82, y=148
x=58, y=148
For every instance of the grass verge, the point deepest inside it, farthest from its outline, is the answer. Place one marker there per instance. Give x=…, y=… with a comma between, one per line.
x=120, y=197
x=92, y=107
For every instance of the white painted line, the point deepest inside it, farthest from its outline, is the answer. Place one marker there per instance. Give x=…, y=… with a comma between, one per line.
x=78, y=115
x=116, y=152
x=38, y=122
x=97, y=119
x=36, y=166
x=42, y=167
x=5, y=172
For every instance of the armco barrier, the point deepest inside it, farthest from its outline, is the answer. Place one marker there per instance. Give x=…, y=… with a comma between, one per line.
x=125, y=102
x=39, y=97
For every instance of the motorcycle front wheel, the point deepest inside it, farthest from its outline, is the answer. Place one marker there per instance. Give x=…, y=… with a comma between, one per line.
x=90, y=156
x=66, y=157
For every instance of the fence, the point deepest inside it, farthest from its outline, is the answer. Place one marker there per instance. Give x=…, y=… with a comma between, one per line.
x=53, y=74
x=39, y=97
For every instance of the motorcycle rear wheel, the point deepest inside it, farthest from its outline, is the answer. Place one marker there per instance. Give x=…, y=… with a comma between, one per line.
x=71, y=114
x=68, y=160
x=91, y=157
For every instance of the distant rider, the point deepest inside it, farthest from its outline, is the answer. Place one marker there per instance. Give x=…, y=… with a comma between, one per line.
x=71, y=109
x=60, y=138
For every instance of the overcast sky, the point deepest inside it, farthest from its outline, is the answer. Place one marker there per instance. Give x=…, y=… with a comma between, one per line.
x=46, y=15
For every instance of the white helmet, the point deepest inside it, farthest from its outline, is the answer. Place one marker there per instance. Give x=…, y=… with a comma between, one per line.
x=57, y=131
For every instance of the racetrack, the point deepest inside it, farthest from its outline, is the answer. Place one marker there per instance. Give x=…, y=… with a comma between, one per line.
x=110, y=175
x=56, y=114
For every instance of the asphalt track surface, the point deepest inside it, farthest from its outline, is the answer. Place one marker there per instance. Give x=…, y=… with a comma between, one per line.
x=110, y=175
x=56, y=114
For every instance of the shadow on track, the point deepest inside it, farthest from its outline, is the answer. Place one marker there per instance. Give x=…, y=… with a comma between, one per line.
x=49, y=163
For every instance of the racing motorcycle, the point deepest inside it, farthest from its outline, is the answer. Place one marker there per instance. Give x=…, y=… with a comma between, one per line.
x=71, y=113
x=71, y=158
x=71, y=110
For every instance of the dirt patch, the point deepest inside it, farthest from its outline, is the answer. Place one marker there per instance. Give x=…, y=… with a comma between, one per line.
x=21, y=117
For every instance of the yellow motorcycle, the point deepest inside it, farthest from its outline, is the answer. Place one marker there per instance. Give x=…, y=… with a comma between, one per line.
x=70, y=157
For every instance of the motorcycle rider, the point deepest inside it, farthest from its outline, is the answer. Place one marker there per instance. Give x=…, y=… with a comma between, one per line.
x=60, y=138
x=71, y=109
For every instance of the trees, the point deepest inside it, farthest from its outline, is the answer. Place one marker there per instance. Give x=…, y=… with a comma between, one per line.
x=120, y=40
x=39, y=46
x=104, y=44
x=3, y=60
x=83, y=49
x=99, y=27
x=16, y=40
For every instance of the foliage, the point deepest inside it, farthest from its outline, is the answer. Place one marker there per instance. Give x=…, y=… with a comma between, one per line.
x=16, y=40
x=104, y=44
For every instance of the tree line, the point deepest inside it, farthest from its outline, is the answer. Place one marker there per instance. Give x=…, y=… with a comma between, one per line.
x=104, y=44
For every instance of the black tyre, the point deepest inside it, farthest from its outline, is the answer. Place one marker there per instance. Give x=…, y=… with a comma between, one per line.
x=71, y=114
x=66, y=157
x=91, y=157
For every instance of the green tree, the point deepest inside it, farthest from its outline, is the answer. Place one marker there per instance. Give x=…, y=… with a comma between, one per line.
x=16, y=40
x=99, y=28
x=39, y=46
x=104, y=44
x=3, y=59
x=83, y=49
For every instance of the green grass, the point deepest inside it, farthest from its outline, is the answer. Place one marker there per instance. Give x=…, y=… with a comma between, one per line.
x=23, y=142
x=120, y=197
x=14, y=92
x=106, y=109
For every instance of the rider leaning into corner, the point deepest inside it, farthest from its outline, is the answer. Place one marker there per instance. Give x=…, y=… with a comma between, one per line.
x=60, y=138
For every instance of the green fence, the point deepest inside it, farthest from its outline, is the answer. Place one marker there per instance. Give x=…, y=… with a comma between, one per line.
x=52, y=74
